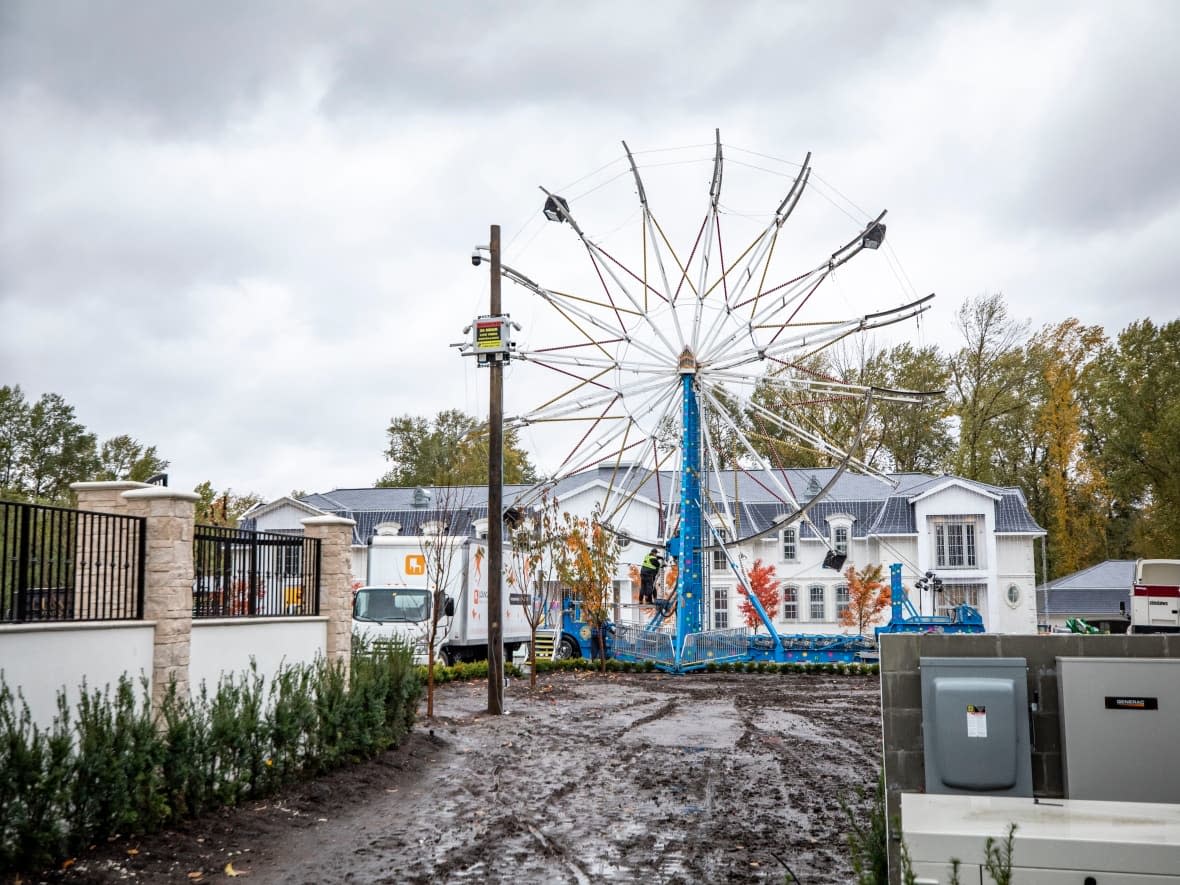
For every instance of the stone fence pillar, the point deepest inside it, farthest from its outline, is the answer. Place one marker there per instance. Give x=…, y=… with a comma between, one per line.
x=168, y=597
x=335, y=536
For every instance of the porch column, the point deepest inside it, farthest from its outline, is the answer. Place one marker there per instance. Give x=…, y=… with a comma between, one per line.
x=335, y=537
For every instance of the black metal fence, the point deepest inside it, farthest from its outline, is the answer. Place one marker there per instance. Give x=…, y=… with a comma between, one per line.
x=242, y=574
x=58, y=564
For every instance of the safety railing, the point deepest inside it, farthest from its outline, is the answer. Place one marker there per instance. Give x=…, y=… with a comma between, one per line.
x=245, y=574
x=715, y=646
x=632, y=642
x=59, y=564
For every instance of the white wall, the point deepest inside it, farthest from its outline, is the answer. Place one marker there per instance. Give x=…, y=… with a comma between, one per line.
x=42, y=659
x=1014, y=567
x=226, y=646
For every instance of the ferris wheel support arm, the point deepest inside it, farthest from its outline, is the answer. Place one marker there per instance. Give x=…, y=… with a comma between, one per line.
x=755, y=602
x=603, y=261
x=706, y=250
x=547, y=414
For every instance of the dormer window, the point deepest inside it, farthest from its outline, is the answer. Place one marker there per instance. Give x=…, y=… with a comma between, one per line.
x=480, y=527
x=434, y=527
x=790, y=544
x=840, y=539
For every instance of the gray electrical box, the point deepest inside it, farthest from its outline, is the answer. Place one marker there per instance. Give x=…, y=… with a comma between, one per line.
x=1120, y=720
x=975, y=726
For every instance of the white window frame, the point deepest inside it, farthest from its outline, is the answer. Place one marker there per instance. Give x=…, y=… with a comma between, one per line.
x=956, y=543
x=791, y=544
x=719, y=562
x=791, y=606
x=842, y=604
x=838, y=544
x=720, y=606
x=812, y=602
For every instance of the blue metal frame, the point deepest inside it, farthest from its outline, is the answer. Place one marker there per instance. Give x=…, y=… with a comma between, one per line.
x=906, y=619
x=689, y=577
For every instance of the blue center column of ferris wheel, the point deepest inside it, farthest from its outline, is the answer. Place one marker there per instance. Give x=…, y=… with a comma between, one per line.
x=689, y=590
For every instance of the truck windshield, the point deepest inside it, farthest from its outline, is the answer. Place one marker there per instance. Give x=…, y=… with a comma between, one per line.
x=385, y=604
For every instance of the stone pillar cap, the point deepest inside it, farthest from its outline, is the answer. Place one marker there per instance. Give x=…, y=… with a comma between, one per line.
x=118, y=485
x=329, y=519
x=150, y=493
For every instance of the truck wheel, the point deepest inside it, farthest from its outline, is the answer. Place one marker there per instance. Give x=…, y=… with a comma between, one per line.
x=567, y=649
x=445, y=658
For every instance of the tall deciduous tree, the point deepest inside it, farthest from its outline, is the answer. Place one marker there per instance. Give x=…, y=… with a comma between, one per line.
x=122, y=457
x=765, y=587
x=449, y=450
x=43, y=447
x=986, y=379
x=1133, y=432
x=915, y=436
x=868, y=596
x=1069, y=487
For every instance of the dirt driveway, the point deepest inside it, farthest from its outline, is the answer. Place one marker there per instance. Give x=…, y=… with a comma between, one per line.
x=636, y=777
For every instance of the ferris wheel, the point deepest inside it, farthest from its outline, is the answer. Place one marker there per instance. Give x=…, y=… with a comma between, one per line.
x=665, y=352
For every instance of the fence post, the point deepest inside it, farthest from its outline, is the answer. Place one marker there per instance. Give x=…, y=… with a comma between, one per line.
x=168, y=597
x=335, y=536
x=91, y=590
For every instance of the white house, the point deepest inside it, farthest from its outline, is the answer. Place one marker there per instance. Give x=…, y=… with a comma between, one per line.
x=977, y=538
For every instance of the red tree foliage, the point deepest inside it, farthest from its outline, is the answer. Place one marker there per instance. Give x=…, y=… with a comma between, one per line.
x=765, y=587
x=868, y=596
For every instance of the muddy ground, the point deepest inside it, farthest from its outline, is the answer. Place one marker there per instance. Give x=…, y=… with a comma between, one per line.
x=636, y=777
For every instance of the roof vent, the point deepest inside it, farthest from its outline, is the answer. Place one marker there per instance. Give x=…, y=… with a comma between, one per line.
x=812, y=488
x=421, y=499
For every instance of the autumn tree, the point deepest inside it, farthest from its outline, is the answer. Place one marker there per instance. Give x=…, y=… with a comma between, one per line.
x=764, y=585
x=222, y=508
x=868, y=596
x=450, y=449
x=586, y=556
x=532, y=571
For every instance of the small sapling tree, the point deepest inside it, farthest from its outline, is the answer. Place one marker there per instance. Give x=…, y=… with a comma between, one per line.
x=441, y=561
x=586, y=557
x=765, y=586
x=532, y=572
x=868, y=596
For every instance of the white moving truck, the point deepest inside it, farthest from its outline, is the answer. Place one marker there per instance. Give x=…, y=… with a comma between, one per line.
x=395, y=603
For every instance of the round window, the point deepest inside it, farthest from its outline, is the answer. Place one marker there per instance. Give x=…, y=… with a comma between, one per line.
x=1013, y=595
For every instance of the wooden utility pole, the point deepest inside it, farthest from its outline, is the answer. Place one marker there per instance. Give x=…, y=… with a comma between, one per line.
x=495, y=502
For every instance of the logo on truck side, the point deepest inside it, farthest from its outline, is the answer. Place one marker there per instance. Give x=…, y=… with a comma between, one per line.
x=415, y=564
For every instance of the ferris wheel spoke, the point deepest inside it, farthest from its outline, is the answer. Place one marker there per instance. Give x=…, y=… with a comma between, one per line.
x=564, y=306
x=552, y=360
x=817, y=441
x=601, y=262
x=559, y=408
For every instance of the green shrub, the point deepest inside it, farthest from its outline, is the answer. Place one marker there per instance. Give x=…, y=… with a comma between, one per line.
x=116, y=768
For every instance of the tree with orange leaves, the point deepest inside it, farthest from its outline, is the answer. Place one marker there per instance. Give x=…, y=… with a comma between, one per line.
x=765, y=587
x=585, y=558
x=868, y=596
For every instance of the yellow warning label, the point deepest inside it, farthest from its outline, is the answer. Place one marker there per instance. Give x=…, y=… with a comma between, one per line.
x=487, y=336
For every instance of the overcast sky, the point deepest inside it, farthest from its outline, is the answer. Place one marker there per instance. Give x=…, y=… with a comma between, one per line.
x=241, y=232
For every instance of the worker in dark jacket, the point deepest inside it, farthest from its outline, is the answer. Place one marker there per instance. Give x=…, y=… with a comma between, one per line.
x=652, y=563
